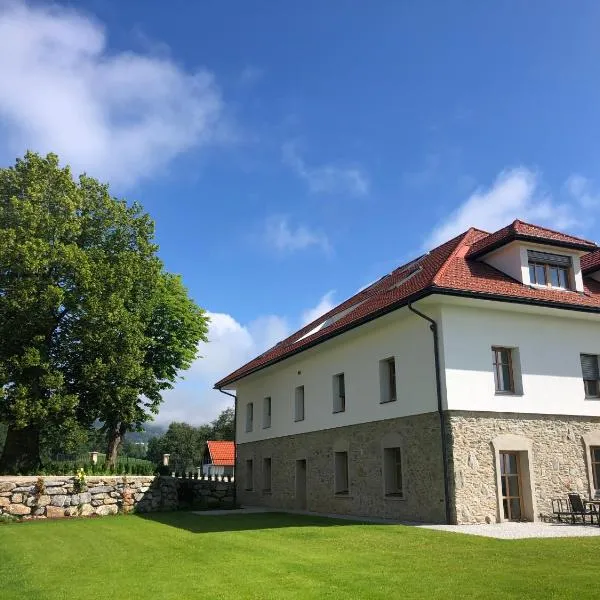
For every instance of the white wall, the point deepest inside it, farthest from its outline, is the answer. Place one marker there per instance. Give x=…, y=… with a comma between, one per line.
x=356, y=354
x=549, y=344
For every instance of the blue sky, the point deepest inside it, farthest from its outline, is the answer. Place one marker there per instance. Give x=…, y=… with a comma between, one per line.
x=291, y=153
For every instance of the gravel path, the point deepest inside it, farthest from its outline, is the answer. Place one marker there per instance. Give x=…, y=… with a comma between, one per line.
x=517, y=531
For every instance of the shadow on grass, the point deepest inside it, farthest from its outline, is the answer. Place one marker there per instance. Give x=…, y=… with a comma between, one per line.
x=242, y=522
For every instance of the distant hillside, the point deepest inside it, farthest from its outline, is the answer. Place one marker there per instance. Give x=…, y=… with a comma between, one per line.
x=151, y=430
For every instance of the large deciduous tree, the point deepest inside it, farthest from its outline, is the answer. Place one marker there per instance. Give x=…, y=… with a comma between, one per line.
x=92, y=327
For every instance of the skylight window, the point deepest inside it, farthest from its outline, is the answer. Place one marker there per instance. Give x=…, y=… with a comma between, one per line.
x=331, y=320
x=406, y=278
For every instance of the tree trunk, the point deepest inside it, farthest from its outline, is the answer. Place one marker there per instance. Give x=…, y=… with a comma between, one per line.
x=115, y=440
x=21, y=451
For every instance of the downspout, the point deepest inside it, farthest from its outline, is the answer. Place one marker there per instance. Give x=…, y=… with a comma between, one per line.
x=234, y=444
x=438, y=384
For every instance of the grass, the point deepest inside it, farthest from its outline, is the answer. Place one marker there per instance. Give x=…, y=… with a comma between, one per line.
x=180, y=555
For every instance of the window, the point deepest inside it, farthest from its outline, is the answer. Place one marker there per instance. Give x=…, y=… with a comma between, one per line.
x=503, y=370
x=387, y=380
x=595, y=452
x=339, y=393
x=341, y=472
x=552, y=270
x=299, y=404
x=249, y=475
x=392, y=471
x=249, y=416
x=267, y=412
x=266, y=474
x=590, y=368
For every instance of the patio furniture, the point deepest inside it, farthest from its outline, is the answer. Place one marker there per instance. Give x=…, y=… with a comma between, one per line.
x=582, y=509
x=561, y=509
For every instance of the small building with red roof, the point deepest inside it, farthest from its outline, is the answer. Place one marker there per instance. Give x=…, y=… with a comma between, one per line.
x=218, y=458
x=462, y=387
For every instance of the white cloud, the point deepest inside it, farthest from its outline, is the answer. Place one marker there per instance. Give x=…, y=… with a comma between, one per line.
x=327, y=179
x=324, y=306
x=230, y=345
x=580, y=188
x=120, y=116
x=285, y=238
x=516, y=194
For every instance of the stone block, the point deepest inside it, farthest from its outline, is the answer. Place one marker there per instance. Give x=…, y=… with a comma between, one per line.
x=4, y=502
x=101, y=489
x=7, y=486
x=58, y=500
x=18, y=509
x=55, y=491
x=99, y=496
x=43, y=500
x=74, y=500
x=110, y=501
x=55, y=512
x=55, y=483
x=86, y=510
x=39, y=511
x=71, y=511
x=29, y=489
x=138, y=497
x=97, y=502
x=16, y=498
x=85, y=498
x=105, y=510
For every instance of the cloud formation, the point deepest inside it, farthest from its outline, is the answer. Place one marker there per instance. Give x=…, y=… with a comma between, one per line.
x=120, y=116
x=326, y=179
x=516, y=193
x=283, y=237
x=231, y=344
x=325, y=304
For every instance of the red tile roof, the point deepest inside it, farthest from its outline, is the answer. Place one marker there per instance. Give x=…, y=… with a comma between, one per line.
x=518, y=230
x=222, y=453
x=591, y=262
x=447, y=269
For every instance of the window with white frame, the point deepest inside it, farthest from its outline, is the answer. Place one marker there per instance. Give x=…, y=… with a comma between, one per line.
x=267, y=412
x=249, y=416
x=590, y=369
x=392, y=472
x=551, y=270
x=341, y=476
x=339, y=393
x=249, y=475
x=267, y=475
x=387, y=380
x=299, y=404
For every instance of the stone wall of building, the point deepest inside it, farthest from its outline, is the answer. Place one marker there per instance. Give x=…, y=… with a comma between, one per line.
x=421, y=461
x=53, y=497
x=558, y=459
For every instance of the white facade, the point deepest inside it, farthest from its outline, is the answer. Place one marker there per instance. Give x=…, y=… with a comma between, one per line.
x=357, y=354
x=547, y=344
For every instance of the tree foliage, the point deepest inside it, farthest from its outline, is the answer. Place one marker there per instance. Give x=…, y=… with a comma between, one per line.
x=185, y=443
x=93, y=327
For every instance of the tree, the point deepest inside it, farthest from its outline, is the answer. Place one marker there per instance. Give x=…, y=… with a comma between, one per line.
x=223, y=427
x=93, y=327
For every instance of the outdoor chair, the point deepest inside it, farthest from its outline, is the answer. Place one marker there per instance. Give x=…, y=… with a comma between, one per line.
x=561, y=509
x=580, y=509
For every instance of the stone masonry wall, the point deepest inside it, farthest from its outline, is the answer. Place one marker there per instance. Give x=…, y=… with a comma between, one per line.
x=558, y=459
x=53, y=497
x=422, y=470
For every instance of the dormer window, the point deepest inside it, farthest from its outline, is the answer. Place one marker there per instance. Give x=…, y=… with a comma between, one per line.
x=551, y=270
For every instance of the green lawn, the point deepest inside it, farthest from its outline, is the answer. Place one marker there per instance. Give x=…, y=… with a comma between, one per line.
x=179, y=555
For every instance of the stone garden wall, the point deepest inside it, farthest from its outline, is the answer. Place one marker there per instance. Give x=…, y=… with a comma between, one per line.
x=59, y=496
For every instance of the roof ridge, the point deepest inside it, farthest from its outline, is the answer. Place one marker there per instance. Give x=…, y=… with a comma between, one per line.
x=460, y=240
x=575, y=237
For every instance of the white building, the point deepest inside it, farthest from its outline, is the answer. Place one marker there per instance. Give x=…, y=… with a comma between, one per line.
x=462, y=387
